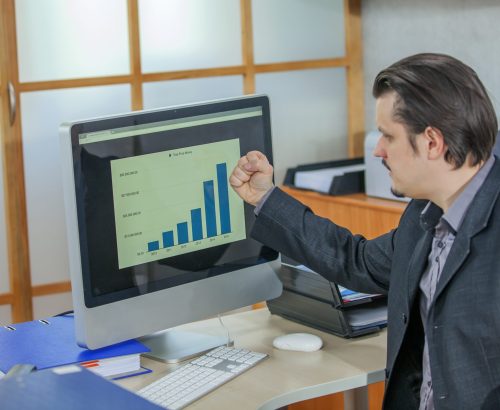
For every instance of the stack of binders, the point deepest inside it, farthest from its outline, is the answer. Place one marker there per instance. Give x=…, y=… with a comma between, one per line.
x=70, y=387
x=310, y=299
x=49, y=343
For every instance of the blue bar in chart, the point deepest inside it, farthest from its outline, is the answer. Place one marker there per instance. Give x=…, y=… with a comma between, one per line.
x=210, y=212
x=208, y=188
x=168, y=239
x=182, y=233
x=225, y=218
x=196, y=227
x=153, y=246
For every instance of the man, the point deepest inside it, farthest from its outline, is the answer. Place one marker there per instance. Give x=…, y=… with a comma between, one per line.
x=441, y=266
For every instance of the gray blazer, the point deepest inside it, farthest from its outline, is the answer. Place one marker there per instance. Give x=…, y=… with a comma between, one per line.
x=464, y=321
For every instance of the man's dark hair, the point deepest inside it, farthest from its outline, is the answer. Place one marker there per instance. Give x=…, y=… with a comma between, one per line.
x=440, y=91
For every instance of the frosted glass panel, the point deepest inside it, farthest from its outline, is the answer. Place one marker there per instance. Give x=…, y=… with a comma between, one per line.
x=186, y=34
x=50, y=305
x=5, y=315
x=291, y=30
x=4, y=272
x=60, y=39
x=42, y=113
x=309, y=116
x=165, y=93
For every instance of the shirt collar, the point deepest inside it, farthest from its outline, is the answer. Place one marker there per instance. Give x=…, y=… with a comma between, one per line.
x=431, y=214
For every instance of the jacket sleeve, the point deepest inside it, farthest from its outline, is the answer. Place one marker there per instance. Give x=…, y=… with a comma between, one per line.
x=291, y=228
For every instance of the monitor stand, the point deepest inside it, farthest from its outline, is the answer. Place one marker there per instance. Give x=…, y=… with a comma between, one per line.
x=173, y=346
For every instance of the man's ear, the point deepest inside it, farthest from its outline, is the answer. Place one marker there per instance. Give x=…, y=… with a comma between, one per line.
x=435, y=145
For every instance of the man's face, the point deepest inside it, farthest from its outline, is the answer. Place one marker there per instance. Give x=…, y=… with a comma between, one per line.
x=407, y=168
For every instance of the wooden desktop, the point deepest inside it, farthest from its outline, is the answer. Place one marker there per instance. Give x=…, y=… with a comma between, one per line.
x=286, y=377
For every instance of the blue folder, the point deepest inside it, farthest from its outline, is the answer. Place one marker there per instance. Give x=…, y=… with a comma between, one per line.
x=51, y=342
x=78, y=389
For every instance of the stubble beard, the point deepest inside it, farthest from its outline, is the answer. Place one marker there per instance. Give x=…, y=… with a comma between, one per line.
x=394, y=191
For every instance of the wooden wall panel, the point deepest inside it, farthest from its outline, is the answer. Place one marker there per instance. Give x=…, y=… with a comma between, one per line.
x=135, y=55
x=13, y=171
x=354, y=72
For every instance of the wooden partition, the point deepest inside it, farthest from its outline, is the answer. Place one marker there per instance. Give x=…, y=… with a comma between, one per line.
x=21, y=289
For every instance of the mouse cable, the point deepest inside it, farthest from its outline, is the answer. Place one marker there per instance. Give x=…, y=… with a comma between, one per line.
x=228, y=342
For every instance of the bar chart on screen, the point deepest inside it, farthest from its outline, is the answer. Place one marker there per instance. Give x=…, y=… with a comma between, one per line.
x=174, y=202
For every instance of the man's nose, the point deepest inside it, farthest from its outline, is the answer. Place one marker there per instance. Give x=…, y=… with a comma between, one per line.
x=379, y=151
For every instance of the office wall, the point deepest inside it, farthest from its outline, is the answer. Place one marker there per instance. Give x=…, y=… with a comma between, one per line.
x=466, y=29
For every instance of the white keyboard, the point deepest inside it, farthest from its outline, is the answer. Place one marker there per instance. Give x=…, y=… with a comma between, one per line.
x=200, y=376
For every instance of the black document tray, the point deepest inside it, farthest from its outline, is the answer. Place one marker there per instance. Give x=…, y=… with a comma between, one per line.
x=348, y=183
x=312, y=300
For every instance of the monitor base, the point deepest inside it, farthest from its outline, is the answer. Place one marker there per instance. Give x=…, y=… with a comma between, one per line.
x=173, y=346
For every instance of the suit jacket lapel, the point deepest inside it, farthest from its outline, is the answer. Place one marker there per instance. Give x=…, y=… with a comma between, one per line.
x=417, y=265
x=420, y=257
x=476, y=219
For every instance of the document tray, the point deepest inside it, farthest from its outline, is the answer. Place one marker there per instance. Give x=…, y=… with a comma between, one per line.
x=339, y=177
x=310, y=299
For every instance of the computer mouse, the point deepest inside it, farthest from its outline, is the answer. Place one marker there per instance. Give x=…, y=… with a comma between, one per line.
x=300, y=342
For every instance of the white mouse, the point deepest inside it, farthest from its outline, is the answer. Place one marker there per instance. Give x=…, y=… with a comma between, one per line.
x=301, y=342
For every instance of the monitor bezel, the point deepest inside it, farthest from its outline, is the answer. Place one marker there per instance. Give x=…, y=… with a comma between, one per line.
x=150, y=117
x=247, y=286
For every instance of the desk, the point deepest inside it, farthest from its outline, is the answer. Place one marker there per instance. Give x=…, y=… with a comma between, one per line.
x=285, y=377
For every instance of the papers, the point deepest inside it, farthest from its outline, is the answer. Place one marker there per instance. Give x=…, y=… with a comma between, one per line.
x=116, y=367
x=363, y=317
x=321, y=179
x=301, y=267
x=351, y=295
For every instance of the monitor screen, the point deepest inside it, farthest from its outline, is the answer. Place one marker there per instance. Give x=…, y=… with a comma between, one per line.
x=150, y=215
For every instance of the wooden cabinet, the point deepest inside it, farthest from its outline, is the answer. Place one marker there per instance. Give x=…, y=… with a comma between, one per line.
x=359, y=213
x=363, y=215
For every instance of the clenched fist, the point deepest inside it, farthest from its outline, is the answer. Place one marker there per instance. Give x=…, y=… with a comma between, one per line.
x=252, y=177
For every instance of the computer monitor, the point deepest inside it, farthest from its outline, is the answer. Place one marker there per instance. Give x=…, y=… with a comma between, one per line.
x=157, y=237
